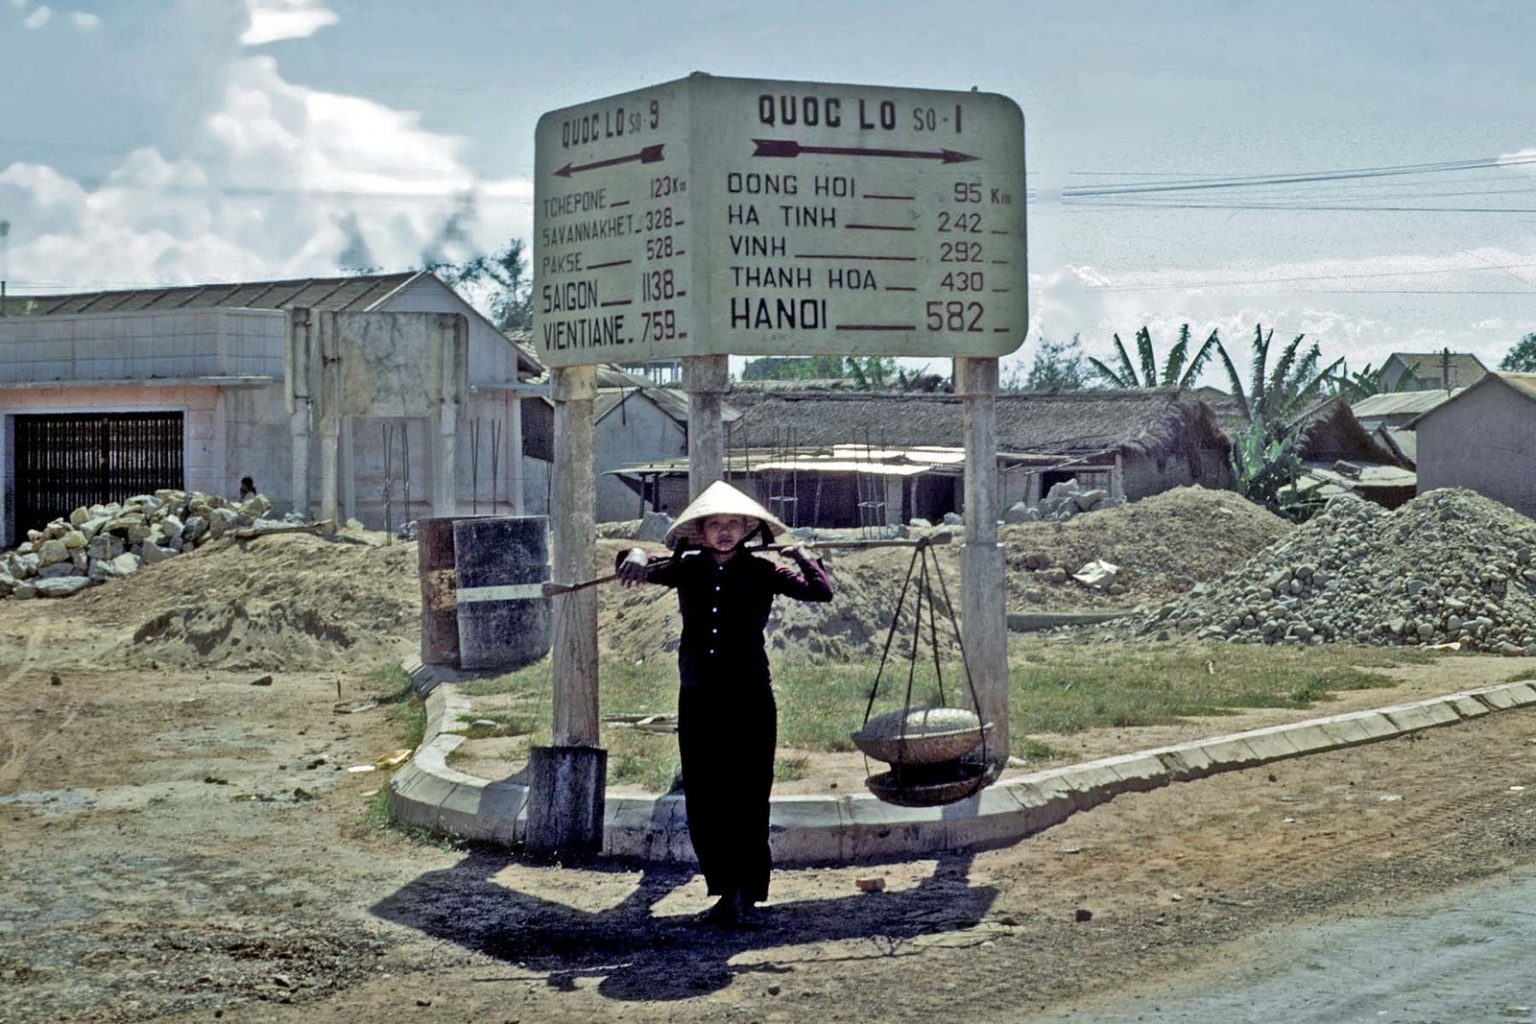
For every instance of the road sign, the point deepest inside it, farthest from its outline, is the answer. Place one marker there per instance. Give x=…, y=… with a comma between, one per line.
x=712, y=216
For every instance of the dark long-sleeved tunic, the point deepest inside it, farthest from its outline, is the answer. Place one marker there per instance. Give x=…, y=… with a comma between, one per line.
x=725, y=608
x=727, y=718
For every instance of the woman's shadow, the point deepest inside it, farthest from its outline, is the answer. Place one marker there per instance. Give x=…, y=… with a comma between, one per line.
x=639, y=955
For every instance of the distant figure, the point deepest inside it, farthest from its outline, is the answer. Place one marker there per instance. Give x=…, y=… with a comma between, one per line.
x=247, y=488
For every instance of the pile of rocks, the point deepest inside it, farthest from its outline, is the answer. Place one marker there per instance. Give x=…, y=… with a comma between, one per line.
x=1062, y=502
x=105, y=542
x=1449, y=567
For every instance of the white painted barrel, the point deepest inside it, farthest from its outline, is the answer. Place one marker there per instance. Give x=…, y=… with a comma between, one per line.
x=501, y=564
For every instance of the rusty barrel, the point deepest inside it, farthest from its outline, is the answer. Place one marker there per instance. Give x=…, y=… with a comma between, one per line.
x=439, y=603
x=501, y=564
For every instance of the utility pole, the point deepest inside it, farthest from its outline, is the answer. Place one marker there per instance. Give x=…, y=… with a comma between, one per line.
x=5, y=263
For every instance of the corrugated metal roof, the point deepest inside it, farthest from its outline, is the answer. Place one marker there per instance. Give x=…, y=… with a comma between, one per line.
x=1400, y=403
x=1524, y=383
x=356, y=293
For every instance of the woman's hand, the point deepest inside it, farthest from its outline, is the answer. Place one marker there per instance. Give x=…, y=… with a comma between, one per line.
x=635, y=568
x=798, y=553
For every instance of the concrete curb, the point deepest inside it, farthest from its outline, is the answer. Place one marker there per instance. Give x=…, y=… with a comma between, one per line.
x=839, y=829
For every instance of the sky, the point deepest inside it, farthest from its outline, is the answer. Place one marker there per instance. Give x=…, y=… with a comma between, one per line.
x=1362, y=173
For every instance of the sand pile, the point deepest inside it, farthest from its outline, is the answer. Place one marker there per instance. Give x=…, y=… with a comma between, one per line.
x=289, y=601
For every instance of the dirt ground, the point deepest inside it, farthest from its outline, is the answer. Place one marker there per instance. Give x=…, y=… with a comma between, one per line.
x=184, y=839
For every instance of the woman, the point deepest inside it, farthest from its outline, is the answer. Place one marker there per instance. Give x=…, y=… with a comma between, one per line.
x=727, y=722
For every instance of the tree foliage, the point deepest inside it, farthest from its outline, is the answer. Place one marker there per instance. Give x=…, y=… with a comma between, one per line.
x=864, y=373
x=1281, y=385
x=1264, y=457
x=1276, y=394
x=794, y=368
x=1181, y=369
x=1058, y=366
x=1521, y=358
x=500, y=278
x=1358, y=384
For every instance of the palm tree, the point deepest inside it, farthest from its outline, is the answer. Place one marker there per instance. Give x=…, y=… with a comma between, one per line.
x=1275, y=397
x=1264, y=459
x=1180, y=370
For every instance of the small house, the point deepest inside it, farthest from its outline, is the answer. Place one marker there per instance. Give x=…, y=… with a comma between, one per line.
x=1430, y=371
x=1483, y=439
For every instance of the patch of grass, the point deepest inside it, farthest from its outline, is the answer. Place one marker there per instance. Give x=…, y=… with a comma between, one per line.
x=641, y=758
x=404, y=707
x=790, y=769
x=1031, y=750
x=493, y=723
x=1053, y=687
x=1067, y=688
x=375, y=822
x=1522, y=676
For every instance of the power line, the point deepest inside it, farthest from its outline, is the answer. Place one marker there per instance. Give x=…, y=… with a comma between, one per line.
x=1259, y=281
x=1300, y=207
x=1250, y=181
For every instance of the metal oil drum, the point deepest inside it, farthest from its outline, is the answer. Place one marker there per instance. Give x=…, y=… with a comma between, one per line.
x=501, y=564
x=439, y=601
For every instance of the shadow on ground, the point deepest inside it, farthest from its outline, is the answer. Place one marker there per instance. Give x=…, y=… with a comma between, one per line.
x=639, y=955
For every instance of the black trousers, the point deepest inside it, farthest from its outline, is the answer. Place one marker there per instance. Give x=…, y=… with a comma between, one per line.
x=726, y=734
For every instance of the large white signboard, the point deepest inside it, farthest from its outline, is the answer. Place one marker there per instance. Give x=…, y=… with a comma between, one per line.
x=713, y=216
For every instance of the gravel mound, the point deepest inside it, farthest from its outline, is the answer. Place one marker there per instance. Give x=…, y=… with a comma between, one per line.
x=1449, y=567
x=1162, y=545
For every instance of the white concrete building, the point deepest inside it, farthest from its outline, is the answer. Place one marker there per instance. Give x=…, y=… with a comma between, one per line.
x=1484, y=439
x=108, y=394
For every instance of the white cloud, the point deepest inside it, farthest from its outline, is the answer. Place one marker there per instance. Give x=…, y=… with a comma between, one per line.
x=276, y=20
x=1521, y=159
x=38, y=18
x=85, y=21
x=286, y=180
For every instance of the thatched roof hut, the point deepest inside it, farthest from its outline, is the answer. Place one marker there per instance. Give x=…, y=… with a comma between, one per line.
x=1151, y=422
x=844, y=457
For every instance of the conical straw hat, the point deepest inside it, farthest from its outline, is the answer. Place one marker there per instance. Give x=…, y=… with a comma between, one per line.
x=719, y=499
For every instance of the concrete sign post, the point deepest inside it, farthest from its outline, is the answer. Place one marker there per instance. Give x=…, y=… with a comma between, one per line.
x=709, y=217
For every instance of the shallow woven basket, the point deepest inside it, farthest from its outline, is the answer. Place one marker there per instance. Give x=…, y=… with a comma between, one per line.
x=921, y=735
x=932, y=785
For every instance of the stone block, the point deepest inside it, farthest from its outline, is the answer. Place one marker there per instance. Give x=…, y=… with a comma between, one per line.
x=1270, y=744
x=1186, y=762
x=1358, y=727
x=52, y=551
x=1309, y=738
x=153, y=553
x=1228, y=752
x=62, y=586
x=1422, y=715
x=1140, y=772
x=1466, y=705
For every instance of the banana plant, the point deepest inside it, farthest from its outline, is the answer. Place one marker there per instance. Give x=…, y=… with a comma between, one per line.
x=1276, y=395
x=1180, y=369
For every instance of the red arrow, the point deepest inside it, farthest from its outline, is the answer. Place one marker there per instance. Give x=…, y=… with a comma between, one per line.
x=648, y=155
x=790, y=148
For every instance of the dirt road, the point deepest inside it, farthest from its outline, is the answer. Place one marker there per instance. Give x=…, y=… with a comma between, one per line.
x=185, y=844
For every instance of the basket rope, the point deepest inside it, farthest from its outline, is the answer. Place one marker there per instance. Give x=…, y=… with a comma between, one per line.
x=919, y=568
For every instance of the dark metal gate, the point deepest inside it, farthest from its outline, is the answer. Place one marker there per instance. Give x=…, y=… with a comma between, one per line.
x=67, y=460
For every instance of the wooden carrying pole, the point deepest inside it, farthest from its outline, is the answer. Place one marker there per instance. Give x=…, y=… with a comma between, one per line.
x=941, y=537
